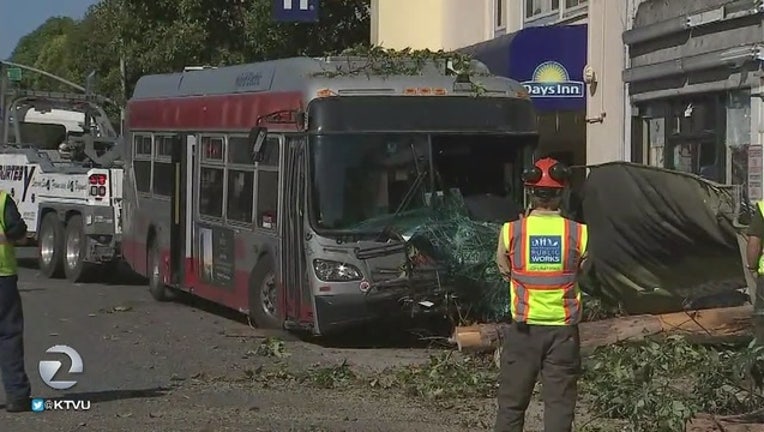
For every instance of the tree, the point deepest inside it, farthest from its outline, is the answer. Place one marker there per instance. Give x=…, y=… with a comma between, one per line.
x=159, y=36
x=44, y=49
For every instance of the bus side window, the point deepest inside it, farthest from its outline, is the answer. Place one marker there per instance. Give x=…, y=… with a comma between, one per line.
x=163, y=180
x=268, y=185
x=211, y=178
x=142, y=162
x=241, y=186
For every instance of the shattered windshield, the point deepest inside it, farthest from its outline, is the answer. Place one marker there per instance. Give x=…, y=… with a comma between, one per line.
x=360, y=181
x=366, y=182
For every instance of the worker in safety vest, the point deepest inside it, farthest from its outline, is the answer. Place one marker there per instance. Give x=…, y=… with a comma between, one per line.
x=540, y=255
x=15, y=380
x=755, y=260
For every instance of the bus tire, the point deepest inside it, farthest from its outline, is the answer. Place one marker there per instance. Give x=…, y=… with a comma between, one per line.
x=50, y=246
x=76, y=250
x=263, y=304
x=159, y=291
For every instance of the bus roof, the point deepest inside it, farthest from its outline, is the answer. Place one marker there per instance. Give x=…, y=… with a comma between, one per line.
x=238, y=97
x=299, y=74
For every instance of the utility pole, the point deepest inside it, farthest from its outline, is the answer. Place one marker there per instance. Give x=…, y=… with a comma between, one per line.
x=122, y=66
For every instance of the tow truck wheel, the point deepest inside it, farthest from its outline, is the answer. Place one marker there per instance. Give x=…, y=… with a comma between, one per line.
x=75, y=267
x=50, y=246
x=157, y=288
x=263, y=295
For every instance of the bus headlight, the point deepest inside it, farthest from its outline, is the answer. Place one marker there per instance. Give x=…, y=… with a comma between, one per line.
x=333, y=271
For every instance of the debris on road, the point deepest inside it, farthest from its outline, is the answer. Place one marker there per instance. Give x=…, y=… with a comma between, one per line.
x=707, y=326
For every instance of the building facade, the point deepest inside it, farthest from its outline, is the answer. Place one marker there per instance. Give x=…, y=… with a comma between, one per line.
x=673, y=84
x=532, y=41
x=695, y=85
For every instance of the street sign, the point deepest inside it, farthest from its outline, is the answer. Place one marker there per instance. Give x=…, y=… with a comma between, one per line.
x=14, y=74
x=295, y=10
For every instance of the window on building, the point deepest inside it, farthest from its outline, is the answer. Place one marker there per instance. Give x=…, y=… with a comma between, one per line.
x=539, y=8
x=569, y=4
x=499, y=21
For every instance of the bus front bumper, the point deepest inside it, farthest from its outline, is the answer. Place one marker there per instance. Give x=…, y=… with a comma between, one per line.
x=340, y=312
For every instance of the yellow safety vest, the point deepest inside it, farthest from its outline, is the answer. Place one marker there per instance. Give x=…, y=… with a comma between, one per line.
x=545, y=252
x=8, y=265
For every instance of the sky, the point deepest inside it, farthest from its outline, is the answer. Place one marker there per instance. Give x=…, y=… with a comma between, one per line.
x=20, y=17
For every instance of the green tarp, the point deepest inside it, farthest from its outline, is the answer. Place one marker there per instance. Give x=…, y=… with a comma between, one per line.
x=659, y=241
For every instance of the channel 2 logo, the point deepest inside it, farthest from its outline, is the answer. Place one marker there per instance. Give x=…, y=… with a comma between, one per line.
x=49, y=368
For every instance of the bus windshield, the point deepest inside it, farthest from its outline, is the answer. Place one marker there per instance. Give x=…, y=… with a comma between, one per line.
x=360, y=181
x=365, y=182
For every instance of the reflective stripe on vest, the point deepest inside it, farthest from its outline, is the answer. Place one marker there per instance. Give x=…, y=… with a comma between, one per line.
x=545, y=252
x=7, y=249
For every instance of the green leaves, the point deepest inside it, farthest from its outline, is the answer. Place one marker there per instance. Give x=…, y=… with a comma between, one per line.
x=157, y=36
x=660, y=386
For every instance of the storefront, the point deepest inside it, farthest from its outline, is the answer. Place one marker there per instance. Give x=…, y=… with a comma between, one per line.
x=549, y=61
x=694, y=88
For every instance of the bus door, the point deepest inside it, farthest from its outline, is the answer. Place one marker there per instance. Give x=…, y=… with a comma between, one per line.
x=297, y=293
x=182, y=210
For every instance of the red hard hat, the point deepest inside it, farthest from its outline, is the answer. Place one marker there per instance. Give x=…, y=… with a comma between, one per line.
x=546, y=173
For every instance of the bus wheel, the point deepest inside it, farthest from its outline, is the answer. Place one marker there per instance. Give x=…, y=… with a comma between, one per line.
x=50, y=246
x=157, y=288
x=76, y=246
x=263, y=295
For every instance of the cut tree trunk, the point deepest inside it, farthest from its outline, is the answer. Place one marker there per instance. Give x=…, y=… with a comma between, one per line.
x=702, y=326
x=743, y=423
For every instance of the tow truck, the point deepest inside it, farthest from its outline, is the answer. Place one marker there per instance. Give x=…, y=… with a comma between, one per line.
x=60, y=161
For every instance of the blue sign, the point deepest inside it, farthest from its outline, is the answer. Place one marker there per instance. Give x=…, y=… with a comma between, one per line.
x=549, y=62
x=295, y=10
x=545, y=249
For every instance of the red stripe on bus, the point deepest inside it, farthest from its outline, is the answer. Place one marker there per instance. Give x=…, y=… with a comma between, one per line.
x=237, y=298
x=223, y=112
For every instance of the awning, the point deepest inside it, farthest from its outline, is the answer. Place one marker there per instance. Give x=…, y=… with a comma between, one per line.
x=549, y=61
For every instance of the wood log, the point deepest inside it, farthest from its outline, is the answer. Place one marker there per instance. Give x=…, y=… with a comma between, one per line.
x=741, y=423
x=703, y=326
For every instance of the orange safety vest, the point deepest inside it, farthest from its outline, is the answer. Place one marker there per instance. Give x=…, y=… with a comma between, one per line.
x=545, y=251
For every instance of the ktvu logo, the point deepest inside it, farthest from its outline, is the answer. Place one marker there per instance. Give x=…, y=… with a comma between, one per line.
x=48, y=370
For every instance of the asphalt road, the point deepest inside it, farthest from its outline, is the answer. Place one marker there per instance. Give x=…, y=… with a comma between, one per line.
x=152, y=366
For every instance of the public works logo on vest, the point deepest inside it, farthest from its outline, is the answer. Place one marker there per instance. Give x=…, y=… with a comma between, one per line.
x=551, y=80
x=545, y=249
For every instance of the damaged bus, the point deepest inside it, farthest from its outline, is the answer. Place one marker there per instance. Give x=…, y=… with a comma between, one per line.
x=288, y=189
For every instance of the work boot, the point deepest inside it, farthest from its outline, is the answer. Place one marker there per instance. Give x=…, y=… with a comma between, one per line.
x=18, y=405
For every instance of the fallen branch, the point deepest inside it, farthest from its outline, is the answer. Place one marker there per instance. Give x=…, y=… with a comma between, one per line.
x=702, y=326
x=739, y=423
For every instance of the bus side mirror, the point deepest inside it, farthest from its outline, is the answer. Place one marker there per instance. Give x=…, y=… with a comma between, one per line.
x=257, y=136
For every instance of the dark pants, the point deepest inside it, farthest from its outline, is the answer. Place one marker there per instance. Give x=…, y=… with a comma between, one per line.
x=555, y=353
x=15, y=379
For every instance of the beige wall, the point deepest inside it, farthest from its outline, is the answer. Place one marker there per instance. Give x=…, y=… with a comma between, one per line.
x=449, y=24
x=430, y=24
x=606, y=137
